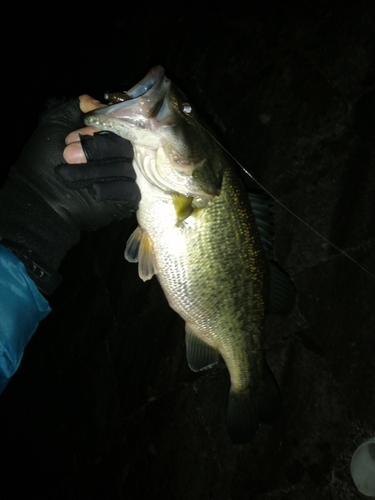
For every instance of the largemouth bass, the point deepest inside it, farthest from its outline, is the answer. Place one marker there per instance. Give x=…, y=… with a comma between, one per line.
x=198, y=234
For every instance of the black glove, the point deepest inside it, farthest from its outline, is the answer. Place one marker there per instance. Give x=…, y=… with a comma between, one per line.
x=39, y=212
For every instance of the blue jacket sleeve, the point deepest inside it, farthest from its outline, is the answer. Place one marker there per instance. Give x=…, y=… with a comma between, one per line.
x=22, y=308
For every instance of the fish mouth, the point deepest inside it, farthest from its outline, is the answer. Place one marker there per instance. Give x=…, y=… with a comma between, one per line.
x=147, y=106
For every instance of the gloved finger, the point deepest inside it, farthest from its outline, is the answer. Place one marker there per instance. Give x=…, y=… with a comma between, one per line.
x=73, y=153
x=75, y=136
x=103, y=145
x=85, y=175
x=95, y=145
x=117, y=191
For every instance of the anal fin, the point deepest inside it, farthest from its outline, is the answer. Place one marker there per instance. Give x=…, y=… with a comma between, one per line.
x=200, y=355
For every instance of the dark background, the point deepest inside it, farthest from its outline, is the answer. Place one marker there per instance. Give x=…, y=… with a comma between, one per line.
x=104, y=405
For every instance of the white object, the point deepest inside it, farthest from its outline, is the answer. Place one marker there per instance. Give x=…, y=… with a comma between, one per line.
x=363, y=467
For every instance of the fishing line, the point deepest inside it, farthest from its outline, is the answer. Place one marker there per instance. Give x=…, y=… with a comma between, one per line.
x=284, y=206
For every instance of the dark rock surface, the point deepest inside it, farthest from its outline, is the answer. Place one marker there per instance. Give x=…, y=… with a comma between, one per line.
x=104, y=404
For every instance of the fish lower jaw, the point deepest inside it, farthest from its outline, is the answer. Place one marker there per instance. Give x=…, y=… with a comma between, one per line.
x=136, y=134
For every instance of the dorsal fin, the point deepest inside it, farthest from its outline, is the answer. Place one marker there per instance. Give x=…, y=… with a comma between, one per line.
x=282, y=291
x=262, y=206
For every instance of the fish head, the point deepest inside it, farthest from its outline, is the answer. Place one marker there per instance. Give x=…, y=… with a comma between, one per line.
x=164, y=128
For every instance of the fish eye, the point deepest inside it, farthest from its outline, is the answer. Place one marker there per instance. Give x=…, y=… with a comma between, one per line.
x=186, y=108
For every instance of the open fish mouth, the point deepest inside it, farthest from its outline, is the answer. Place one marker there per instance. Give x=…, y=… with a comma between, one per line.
x=146, y=106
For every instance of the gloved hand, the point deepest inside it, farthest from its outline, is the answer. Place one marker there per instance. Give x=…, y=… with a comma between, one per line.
x=38, y=207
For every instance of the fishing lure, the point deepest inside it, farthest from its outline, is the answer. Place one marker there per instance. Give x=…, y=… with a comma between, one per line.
x=116, y=97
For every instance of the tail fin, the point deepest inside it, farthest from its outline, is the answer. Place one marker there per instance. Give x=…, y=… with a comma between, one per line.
x=246, y=409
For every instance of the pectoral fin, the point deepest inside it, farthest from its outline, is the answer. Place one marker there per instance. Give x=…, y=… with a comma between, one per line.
x=200, y=355
x=139, y=249
x=182, y=205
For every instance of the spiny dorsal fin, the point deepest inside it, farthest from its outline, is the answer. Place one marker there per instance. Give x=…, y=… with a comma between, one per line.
x=262, y=207
x=282, y=291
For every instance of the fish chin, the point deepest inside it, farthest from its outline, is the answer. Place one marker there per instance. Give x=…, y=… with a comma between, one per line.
x=148, y=108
